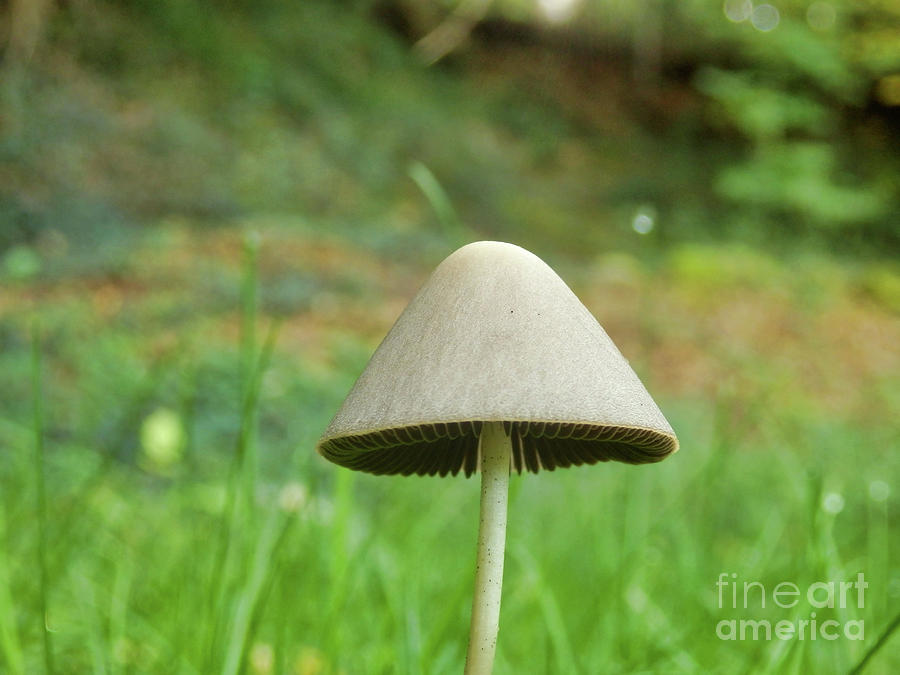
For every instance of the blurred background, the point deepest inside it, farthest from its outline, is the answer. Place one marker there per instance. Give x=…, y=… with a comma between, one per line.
x=212, y=211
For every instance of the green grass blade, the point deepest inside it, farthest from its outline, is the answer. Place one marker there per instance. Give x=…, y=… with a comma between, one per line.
x=238, y=521
x=551, y=614
x=261, y=569
x=40, y=494
x=879, y=643
x=96, y=642
x=454, y=231
x=118, y=601
x=9, y=637
x=249, y=369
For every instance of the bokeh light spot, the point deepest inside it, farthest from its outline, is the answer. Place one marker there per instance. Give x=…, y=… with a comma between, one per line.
x=738, y=10
x=162, y=440
x=262, y=659
x=833, y=503
x=644, y=220
x=558, y=11
x=292, y=497
x=765, y=18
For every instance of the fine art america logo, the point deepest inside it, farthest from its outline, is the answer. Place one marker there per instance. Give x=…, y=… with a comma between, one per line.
x=826, y=602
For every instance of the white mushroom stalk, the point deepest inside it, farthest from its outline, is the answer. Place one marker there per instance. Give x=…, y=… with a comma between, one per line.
x=495, y=466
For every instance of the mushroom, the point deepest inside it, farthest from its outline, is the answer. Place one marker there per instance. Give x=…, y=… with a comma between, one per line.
x=495, y=364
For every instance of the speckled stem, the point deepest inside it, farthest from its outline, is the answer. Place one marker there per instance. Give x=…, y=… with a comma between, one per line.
x=495, y=463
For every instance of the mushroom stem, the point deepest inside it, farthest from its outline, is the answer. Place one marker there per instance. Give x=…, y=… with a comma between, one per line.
x=495, y=463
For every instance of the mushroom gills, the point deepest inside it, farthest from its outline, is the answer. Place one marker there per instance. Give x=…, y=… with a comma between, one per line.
x=451, y=448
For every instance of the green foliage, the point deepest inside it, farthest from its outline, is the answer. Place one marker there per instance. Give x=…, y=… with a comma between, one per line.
x=760, y=110
x=21, y=262
x=137, y=110
x=788, y=97
x=732, y=267
x=798, y=178
x=190, y=527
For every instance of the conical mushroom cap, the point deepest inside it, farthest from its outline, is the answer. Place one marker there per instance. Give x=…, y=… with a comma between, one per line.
x=495, y=336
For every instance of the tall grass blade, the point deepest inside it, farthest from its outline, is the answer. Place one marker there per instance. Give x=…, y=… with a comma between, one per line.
x=238, y=523
x=40, y=494
x=261, y=570
x=249, y=316
x=454, y=231
x=879, y=643
x=10, y=647
x=551, y=614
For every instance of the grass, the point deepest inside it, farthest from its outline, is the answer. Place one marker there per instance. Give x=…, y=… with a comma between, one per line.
x=40, y=505
x=212, y=539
